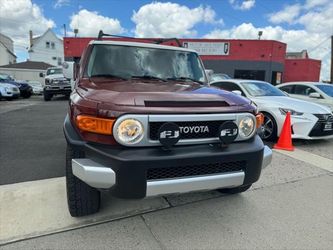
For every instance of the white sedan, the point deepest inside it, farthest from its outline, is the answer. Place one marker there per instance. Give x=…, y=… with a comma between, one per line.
x=317, y=92
x=308, y=120
x=37, y=87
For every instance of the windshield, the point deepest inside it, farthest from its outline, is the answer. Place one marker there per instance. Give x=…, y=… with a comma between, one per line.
x=219, y=77
x=54, y=71
x=158, y=64
x=5, y=77
x=327, y=89
x=261, y=89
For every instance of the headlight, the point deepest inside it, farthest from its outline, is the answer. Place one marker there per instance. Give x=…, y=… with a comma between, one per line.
x=246, y=126
x=292, y=112
x=7, y=89
x=130, y=131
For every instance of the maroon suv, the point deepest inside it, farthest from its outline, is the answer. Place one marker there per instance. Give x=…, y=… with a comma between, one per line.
x=143, y=121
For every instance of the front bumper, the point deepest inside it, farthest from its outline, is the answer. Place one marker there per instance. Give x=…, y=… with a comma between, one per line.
x=124, y=171
x=58, y=90
x=306, y=127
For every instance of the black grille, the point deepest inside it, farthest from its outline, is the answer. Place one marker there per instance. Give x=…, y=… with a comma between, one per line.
x=213, y=127
x=324, y=117
x=318, y=129
x=195, y=170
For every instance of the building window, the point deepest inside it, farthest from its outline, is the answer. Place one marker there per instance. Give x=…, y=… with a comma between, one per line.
x=52, y=45
x=59, y=61
x=54, y=58
x=47, y=44
x=250, y=74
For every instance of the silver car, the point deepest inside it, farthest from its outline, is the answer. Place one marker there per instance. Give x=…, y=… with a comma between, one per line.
x=321, y=93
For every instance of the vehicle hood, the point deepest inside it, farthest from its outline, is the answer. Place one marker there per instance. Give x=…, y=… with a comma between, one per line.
x=290, y=103
x=7, y=85
x=17, y=84
x=155, y=94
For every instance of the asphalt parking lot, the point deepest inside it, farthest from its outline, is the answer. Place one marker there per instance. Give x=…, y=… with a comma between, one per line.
x=291, y=206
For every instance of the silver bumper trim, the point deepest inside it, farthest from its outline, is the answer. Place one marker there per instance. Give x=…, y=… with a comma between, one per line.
x=93, y=173
x=184, y=185
x=267, y=159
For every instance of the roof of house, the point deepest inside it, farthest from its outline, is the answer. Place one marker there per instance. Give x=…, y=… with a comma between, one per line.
x=8, y=50
x=28, y=65
x=37, y=38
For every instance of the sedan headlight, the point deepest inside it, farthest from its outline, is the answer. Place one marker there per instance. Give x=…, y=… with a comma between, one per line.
x=246, y=126
x=7, y=89
x=292, y=112
x=130, y=131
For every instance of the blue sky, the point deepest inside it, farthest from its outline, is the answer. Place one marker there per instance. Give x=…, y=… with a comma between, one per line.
x=302, y=24
x=123, y=11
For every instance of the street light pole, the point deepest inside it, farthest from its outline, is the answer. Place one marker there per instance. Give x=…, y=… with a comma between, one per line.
x=332, y=59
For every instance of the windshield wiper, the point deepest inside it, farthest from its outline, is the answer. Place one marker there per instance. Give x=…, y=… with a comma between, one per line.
x=184, y=79
x=150, y=77
x=109, y=75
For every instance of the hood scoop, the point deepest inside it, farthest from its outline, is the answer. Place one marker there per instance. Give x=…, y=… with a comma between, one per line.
x=186, y=103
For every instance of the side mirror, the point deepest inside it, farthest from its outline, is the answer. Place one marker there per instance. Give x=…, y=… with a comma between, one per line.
x=41, y=74
x=209, y=73
x=237, y=92
x=315, y=95
x=68, y=70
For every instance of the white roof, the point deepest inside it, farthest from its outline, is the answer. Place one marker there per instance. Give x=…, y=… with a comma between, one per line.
x=305, y=82
x=143, y=45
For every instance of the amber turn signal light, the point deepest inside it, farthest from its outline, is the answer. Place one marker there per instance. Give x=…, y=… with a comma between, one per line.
x=94, y=124
x=260, y=119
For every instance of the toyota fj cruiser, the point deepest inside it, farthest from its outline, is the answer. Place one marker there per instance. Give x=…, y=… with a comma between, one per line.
x=143, y=121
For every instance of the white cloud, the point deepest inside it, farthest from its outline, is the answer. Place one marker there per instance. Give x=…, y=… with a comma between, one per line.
x=170, y=19
x=309, y=4
x=242, y=5
x=318, y=21
x=18, y=17
x=296, y=40
x=90, y=22
x=287, y=15
x=60, y=3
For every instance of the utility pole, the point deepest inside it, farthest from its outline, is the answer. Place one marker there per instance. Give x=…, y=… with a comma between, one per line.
x=332, y=59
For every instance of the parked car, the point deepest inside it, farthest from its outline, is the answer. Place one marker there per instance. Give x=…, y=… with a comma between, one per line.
x=139, y=127
x=56, y=83
x=37, y=88
x=8, y=91
x=219, y=77
x=317, y=92
x=25, y=88
x=309, y=120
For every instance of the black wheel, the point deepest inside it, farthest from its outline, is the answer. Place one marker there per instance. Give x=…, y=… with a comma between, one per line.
x=269, y=128
x=9, y=98
x=235, y=190
x=27, y=95
x=81, y=198
x=47, y=97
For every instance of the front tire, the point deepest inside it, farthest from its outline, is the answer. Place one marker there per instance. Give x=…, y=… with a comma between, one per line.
x=27, y=95
x=82, y=199
x=47, y=97
x=235, y=190
x=269, y=128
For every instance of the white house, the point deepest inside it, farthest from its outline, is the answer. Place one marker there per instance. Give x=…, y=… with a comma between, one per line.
x=6, y=50
x=46, y=48
x=26, y=71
